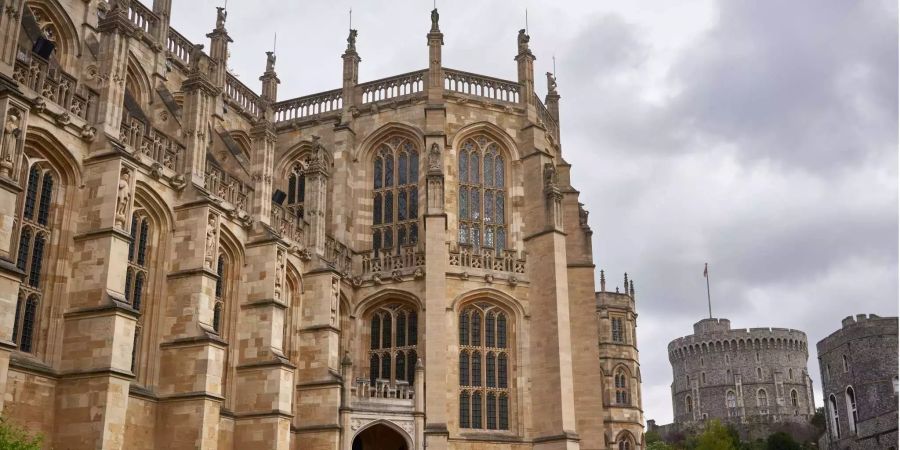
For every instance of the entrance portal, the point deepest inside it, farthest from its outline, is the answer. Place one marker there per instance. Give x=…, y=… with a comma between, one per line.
x=379, y=437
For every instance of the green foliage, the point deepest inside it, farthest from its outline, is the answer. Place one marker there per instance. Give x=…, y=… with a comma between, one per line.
x=818, y=419
x=658, y=445
x=651, y=437
x=715, y=437
x=16, y=438
x=781, y=441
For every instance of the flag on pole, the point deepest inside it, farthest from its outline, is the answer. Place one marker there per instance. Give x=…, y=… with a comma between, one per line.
x=705, y=270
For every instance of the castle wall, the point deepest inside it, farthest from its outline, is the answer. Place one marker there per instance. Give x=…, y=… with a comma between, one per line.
x=860, y=357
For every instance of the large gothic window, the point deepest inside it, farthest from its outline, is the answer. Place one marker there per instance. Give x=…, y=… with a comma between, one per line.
x=835, y=419
x=35, y=233
x=137, y=275
x=296, y=194
x=852, y=416
x=394, y=335
x=395, y=208
x=482, y=194
x=484, y=365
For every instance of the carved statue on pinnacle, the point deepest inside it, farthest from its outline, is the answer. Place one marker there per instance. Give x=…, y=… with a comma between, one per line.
x=551, y=83
x=434, y=20
x=523, y=42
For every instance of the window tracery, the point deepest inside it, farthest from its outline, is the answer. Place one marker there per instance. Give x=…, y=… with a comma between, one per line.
x=482, y=194
x=137, y=275
x=296, y=195
x=394, y=336
x=395, y=210
x=621, y=384
x=35, y=232
x=484, y=360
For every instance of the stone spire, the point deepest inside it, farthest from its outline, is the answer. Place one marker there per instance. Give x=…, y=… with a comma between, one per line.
x=270, y=81
x=525, y=60
x=435, y=75
x=218, y=48
x=602, y=281
x=351, y=75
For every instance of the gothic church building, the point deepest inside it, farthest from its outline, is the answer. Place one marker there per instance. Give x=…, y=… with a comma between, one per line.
x=186, y=263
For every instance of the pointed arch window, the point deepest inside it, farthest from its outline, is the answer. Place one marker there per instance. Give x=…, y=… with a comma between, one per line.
x=795, y=400
x=482, y=194
x=621, y=383
x=137, y=277
x=36, y=231
x=393, y=334
x=835, y=419
x=852, y=415
x=395, y=209
x=221, y=290
x=484, y=367
x=689, y=404
x=296, y=195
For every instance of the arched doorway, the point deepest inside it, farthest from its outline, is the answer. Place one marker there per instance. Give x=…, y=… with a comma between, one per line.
x=380, y=437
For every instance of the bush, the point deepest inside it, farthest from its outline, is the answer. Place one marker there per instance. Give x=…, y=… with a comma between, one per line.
x=715, y=437
x=781, y=441
x=13, y=437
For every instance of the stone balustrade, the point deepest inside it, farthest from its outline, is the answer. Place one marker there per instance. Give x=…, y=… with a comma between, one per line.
x=310, y=106
x=337, y=255
x=241, y=97
x=363, y=389
x=142, y=139
x=488, y=88
x=398, y=87
x=54, y=85
x=409, y=258
x=142, y=17
x=288, y=224
x=179, y=47
x=544, y=116
x=224, y=186
x=488, y=259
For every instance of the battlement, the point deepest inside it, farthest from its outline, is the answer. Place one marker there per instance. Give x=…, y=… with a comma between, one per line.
x=861, y=326
x=851, y=320
x=714, y=335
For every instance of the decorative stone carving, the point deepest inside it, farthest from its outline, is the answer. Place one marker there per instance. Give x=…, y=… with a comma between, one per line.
x=279, y=273
x=551, y=83
x=9, y=151
x=523, y=42
x=270, y=62
x=418, y=273
x=88, y=134
x=513, y=280
x=376, y=278
x=221, y=15
x=397, y=276
x=488, y=278
x=123, y=198
x=212, y=242
x=435, y=17
x=551, y=177
x=335, y=298
x=434, y=159
x=351, y=41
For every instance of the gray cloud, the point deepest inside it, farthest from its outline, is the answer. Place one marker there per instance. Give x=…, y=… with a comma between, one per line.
x=760, y=136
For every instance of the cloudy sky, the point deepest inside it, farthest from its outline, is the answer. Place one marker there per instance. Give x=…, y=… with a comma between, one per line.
x=758, y=136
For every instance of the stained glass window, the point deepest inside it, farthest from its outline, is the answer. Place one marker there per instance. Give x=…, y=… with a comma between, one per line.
x=482, y=193
x=393, y=336
x=483, y=368
x=395, y=196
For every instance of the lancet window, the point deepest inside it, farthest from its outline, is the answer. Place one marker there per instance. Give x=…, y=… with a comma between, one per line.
x=621, y=383
x=394, y=336
x=617, y=330
x=484, y=368
x=36, y=231
x=296, y=189
x=395, y=208
x=221, y=281
x=137, y=275
x=482, y=194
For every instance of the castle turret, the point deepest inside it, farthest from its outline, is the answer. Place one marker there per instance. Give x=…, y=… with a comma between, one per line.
x=525, y=60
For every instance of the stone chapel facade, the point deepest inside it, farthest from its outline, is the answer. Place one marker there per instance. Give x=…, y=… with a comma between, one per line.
x=185, y=263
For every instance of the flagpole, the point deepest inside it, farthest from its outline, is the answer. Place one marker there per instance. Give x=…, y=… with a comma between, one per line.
x=708, y=298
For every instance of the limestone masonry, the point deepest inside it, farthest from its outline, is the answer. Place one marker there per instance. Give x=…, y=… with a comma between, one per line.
x=190, y=263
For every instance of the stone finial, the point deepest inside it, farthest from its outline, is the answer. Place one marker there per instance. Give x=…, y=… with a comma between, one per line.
x=626, y=283
x=631, y=288
x=435, y=17
x=270, y=61
x=551, y=83
x=221, y=15
x=602, y=281
x=351, y=41
x=523, y=40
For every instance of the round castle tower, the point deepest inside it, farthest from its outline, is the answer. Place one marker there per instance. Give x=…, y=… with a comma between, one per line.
x=755, y=375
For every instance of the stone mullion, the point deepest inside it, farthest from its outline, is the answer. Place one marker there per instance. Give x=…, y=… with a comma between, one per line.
x=192, y=356
x=10, y=19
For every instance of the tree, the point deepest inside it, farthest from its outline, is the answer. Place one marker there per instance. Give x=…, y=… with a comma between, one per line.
x=781, y=441
x=715, y=437
x=818, y=419
x=16, y=438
